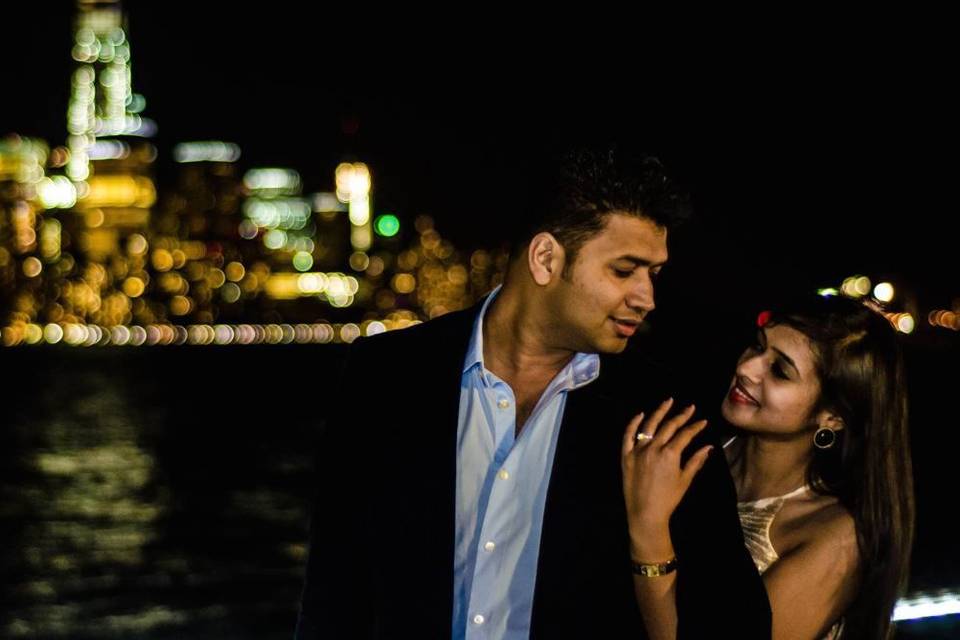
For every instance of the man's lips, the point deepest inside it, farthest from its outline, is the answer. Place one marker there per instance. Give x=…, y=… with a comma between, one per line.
x=626, y=327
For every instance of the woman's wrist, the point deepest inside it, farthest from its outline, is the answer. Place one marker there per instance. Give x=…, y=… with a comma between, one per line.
x=651, y=545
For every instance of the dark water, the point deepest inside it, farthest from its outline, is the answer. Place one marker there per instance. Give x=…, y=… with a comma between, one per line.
x=159, y=493
x=163, y=492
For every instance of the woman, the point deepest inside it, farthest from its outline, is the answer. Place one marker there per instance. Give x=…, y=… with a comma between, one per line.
x=821, y=465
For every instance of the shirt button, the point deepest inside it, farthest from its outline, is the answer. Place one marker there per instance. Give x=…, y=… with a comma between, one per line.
x=478, y=619
x=489, y=546
x=504, y=474
x=504, y=403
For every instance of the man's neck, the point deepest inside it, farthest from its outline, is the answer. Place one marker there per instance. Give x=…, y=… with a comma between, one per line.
x=516, y=346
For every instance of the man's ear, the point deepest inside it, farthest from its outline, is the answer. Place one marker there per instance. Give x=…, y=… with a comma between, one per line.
x=545, y=258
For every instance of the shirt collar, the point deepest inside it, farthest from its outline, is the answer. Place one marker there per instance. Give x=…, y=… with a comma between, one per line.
x=582, y=369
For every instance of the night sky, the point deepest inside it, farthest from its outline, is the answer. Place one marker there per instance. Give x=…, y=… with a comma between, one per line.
x=810, y=157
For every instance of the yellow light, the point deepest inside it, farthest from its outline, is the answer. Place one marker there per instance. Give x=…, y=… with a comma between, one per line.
x=180, y=305
x=235, y=271
x=133, y=287
x=32, y=267
x=119, y=191
x=32, y=334
x=11, y=336
x=862, y=286
x=457, y=275
x=162, y=260
x=404, y=283
x=274, y=334
x=216, y=278
x=94, y=218
x=50, y=238
x=283, y=286
x=361, y=238
x=883, y=292
x=359, y=261
x=849, y=286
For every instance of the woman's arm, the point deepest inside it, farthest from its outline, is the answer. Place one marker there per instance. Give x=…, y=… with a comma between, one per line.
x=811, y=586
x=653, y=484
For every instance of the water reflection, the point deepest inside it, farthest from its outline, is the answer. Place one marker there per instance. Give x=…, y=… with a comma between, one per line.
x=133, y=510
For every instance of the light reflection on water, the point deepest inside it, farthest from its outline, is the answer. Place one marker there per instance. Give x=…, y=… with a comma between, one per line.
x=135, y=506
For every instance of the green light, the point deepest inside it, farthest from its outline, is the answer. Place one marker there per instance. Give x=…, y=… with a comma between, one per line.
x=302, y=261
x=387, y=225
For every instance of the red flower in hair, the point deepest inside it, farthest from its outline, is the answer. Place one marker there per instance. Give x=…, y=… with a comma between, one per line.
x=763, y=318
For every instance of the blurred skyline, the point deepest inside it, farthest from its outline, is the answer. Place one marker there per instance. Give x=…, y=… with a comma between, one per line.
x=809, y=158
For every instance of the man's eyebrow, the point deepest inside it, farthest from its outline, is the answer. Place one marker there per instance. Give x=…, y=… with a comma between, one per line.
x=640, y=262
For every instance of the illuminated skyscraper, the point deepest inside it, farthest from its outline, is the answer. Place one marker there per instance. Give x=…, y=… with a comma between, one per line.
x=110, y=162
x=110, y=156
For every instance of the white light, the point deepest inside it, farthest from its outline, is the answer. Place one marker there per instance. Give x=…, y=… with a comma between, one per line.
x=223, y=334
x=57, y=192
x=108, y=150
x=375, y=327
x=53, y=333
x=359, y=211
x=883, y=292
x=286, y=180
x=906, y=323
x=280, y=213
x=927, y=606
x=206, y=151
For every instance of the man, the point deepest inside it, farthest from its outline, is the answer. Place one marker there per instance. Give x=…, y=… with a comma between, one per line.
x=470, y=483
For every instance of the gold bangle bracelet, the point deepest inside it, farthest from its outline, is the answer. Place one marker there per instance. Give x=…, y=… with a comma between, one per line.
x=655, y=569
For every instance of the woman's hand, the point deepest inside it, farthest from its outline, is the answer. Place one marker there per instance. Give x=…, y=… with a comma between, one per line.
x=653, y=480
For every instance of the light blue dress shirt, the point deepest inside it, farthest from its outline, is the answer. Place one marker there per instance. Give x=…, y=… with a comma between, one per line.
x=501, y=491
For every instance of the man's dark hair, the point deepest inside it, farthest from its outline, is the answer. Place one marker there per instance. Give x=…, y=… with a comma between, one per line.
x=573, y=192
